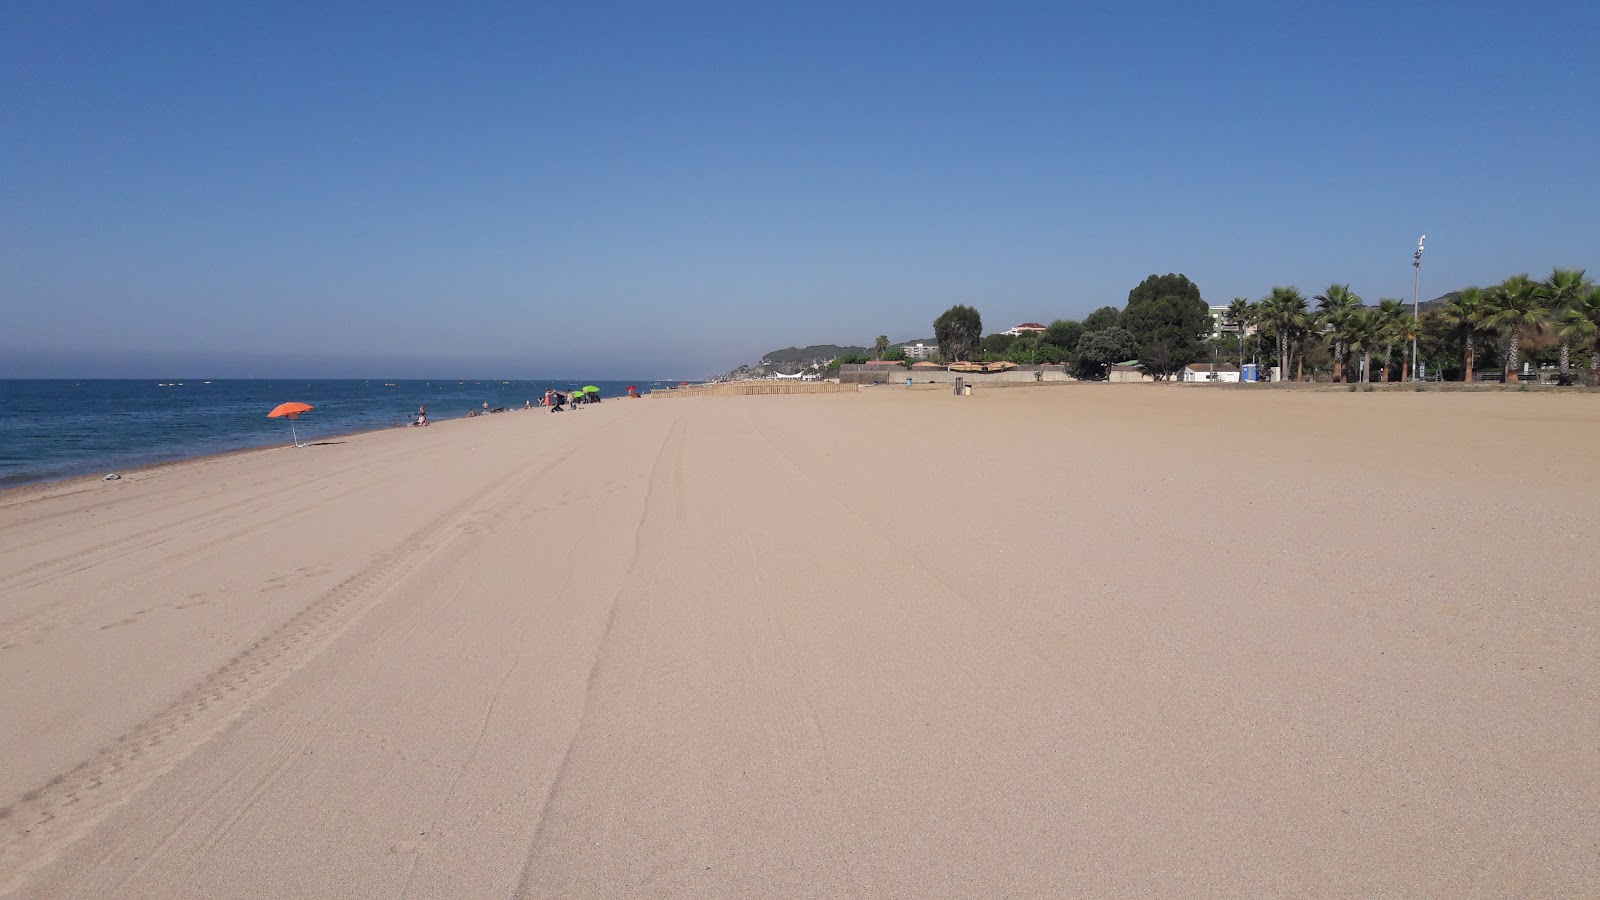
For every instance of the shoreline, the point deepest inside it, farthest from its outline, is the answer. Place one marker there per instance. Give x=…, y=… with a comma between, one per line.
x=35, y=484
x=56, y=429
x=81, y=480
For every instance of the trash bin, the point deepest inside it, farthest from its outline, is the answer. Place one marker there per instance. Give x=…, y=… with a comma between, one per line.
x=966, y=390
x=959, y=382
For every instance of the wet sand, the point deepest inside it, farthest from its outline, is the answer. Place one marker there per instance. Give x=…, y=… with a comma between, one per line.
x=1075, y=641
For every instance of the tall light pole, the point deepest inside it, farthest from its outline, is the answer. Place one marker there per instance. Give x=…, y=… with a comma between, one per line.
x=1416, y=309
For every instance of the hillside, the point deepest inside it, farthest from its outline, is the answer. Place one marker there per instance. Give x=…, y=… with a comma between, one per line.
x=791, y=360
x=1437, y=302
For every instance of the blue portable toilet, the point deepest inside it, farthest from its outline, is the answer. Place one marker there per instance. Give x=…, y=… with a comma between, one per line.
x=1249, y=372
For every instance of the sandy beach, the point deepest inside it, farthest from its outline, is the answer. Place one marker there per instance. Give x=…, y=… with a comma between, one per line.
x=1079, y=641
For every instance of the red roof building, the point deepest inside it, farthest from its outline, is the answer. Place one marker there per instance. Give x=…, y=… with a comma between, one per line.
x=1024, y=328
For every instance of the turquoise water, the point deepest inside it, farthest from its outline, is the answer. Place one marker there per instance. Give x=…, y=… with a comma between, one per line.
x=54, y=429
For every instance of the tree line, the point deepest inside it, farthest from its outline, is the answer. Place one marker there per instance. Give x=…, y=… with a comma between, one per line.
x=1166, y=325
x=1163, y=326
x=1497, y=328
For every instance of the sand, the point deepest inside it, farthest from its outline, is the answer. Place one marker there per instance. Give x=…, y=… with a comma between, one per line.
x=1077, y=641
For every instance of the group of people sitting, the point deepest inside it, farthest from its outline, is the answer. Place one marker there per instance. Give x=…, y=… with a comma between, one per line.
x=556, y=401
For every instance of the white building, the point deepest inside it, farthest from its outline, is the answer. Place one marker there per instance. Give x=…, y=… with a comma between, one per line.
x=1222, y=323
x=1226, y=372
x=919, y=350
x=1024, y=328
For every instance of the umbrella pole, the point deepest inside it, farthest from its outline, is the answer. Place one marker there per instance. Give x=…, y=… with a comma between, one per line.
x=294, y=434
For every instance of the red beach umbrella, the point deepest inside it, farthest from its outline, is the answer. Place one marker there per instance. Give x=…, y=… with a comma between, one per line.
x=291, y=411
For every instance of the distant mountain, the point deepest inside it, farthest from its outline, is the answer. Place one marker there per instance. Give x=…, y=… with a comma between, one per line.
x=1437, y=302
x=1427, y=305
x=790, y=360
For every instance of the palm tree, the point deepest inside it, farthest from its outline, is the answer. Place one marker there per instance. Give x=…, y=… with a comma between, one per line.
x=1390, y=312
x=1467, y=310
x=1363, y=331
x=1284, y=311
x=880, y=346
x=1336, y=325
x=1562, y=289
x=1332, y=305
x=1518, y=303
x=1241, y=313
x=1410, y=329
x=1580, y=322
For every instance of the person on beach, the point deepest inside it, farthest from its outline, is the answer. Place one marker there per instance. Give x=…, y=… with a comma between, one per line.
x=486, y=407
x=422, y=417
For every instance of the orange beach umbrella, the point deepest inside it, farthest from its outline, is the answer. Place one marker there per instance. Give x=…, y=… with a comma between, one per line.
x=291, y=411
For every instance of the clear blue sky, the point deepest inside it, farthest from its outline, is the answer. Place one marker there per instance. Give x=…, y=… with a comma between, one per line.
x=670, y=189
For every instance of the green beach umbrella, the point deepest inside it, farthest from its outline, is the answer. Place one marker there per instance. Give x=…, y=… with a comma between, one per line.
x=591, y=389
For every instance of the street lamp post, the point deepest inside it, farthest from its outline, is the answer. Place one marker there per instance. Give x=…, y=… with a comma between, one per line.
x=1416, y=309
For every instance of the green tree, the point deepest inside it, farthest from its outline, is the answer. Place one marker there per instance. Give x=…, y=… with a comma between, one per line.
x=1466, y=311
x=1099, y=350
x=1436, y=344
x=1563, y=289
x=1410, y=331
x=831, y=369
x=997, y=344
x=1102, y=318
x=1580, y=323
x=1390, y=312
x=1518, y=303
x=1241, y=315
x=1063, y=334
x=1363, y=332
x=1158, y=287
x=880, y=346
x=1284, y=311
x=1170, y=320
x=1334, y=307
x=957, y=330
x=1024, y=351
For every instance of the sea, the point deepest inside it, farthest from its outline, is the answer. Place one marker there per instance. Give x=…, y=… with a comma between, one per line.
x=51, y=429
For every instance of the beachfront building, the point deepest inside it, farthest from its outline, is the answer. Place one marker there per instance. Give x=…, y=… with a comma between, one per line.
x=1227, y=372
x=1221, y=324
x=919, y=350
x=1127, y=373
x=1024, y=328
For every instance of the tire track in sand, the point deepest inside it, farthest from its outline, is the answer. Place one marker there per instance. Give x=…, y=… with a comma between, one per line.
x=615, y=638
x=42, y=824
